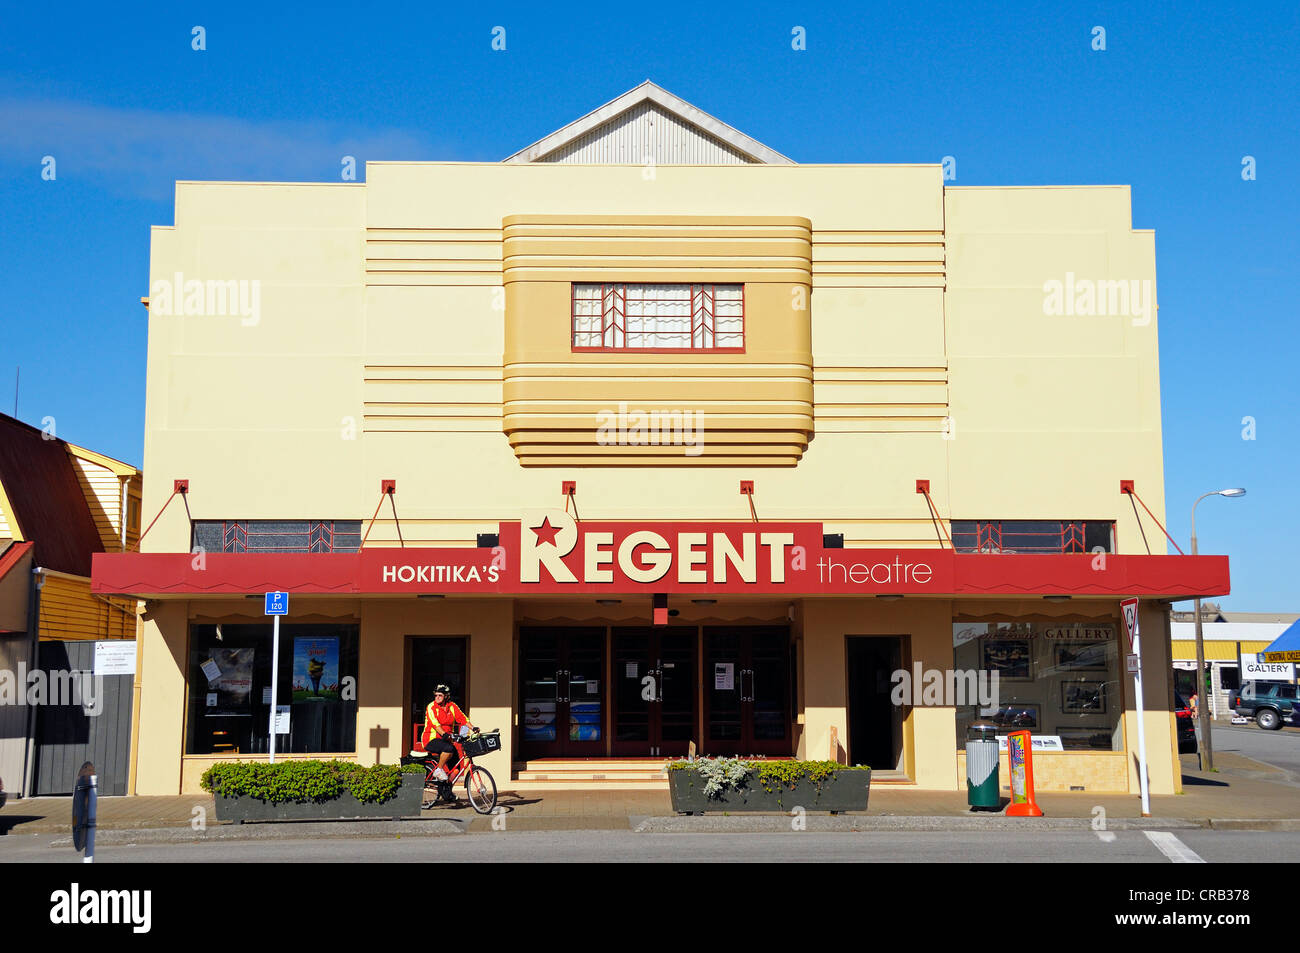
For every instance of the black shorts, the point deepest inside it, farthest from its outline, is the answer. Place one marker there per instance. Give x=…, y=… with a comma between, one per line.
x=437, y=746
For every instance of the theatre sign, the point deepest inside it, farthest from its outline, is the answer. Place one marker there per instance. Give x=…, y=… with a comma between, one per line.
x=550, y=552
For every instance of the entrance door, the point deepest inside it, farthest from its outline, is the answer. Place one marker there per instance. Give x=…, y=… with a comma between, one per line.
x=747, y=690
x=67, y=736
x=436, y=661
x=561, y=676
x=654, y=691
x=875, y=722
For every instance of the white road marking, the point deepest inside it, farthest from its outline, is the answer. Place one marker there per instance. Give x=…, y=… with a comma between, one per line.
x=1106, y=837
x=1173, y=848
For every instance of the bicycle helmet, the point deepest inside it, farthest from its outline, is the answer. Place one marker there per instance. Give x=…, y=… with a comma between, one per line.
x=443, y=690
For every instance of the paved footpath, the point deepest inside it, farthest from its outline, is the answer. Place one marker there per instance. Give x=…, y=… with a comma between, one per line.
x=1242, y=794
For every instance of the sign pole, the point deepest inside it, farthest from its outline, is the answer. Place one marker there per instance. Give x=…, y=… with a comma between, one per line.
x=277, y=604
x=275, y=677
x=1130, y=607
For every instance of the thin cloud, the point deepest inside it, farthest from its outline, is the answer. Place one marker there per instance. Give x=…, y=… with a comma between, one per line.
x=143, y=152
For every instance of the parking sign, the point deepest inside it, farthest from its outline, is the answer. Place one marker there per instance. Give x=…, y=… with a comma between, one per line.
x=277, y=603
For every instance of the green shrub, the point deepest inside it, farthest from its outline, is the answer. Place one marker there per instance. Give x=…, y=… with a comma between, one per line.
x=305, y=782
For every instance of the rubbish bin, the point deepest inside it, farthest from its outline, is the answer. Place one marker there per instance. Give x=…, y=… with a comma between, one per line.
x=982, y=766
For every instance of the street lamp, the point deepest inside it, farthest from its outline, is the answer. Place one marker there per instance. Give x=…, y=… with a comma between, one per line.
x=1206, y=727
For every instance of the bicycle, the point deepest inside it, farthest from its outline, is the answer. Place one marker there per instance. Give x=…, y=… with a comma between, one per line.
x=480, y=788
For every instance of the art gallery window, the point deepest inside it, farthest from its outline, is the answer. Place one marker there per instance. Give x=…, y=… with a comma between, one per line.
x=229, y=689
x=1056, y=678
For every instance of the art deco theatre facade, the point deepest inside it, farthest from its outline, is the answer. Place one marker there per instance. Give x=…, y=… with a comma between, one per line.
x=649, y=440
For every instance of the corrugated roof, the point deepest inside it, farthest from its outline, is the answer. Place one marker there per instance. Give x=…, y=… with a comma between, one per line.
x=45, y=498
x=1228, y=631
x=689, y=135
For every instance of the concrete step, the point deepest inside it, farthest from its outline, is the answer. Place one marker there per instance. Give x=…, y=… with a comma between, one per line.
x=564, y=771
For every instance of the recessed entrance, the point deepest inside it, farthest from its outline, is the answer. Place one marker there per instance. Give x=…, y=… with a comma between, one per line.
x=654, y=691
x=875, y=723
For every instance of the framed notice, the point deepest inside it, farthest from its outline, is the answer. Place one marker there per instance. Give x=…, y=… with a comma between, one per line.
x=1083, y=698
x=1016, y=716
x=115, y=658
x=1080, y=656
x=1008, y=657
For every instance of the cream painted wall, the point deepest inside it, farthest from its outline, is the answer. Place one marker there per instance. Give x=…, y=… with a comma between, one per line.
x=349, y=327
x=928, y=733
x=1049, y=411
x=161, y=679
x=381, y=296
x=383, y=682
x=1161, y=736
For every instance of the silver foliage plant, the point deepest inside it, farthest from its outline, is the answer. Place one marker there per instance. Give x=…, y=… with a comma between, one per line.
x=721, y=773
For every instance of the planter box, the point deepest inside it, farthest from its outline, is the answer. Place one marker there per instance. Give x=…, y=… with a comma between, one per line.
x=843, y=791
x=405, y=803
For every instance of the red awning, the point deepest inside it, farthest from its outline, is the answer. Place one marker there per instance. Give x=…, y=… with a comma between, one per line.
x=616, y=559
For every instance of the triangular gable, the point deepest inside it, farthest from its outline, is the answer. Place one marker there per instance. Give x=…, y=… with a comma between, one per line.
x=649, y=122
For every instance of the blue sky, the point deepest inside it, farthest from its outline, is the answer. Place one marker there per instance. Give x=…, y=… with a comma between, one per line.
x=1015, y=92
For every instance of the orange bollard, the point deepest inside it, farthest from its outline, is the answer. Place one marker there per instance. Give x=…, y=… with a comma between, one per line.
x=1021, y=760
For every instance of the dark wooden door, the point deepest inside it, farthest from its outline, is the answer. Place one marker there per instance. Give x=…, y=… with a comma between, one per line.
x=747, y=691
x=654, y=691
x=562, y=686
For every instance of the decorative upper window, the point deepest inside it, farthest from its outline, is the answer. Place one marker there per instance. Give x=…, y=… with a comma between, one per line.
x=278, y=536
x=628, y=317
x=1033, y=536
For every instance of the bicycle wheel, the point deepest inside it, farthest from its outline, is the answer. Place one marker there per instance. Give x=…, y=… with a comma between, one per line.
x=481, y=789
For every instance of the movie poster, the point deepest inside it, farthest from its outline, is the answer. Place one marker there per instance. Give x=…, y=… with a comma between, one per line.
x=316, y=669
x=230, y=679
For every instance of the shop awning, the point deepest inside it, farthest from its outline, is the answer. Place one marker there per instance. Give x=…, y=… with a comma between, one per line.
x=1286, y=647
x=1184, y=650
x=554, y=555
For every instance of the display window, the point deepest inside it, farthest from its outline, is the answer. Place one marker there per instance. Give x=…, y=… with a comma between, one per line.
x=1058, y=679
x=229, y=689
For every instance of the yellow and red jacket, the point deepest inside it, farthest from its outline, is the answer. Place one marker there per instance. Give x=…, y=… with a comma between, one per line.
x=440, y=720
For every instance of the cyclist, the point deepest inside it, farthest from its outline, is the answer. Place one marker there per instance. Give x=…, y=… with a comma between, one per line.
x=441, y=720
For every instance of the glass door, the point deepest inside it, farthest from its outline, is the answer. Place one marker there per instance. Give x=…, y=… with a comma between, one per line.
x=562, y=688
x=747, y=693
x=654, y=693
x=678, y=690
x=584, y=682
x=540, y=678
x=768, y=682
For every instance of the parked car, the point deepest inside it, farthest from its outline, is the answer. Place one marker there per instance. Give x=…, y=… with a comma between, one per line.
x=1186, y=727
x=1269, y=703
